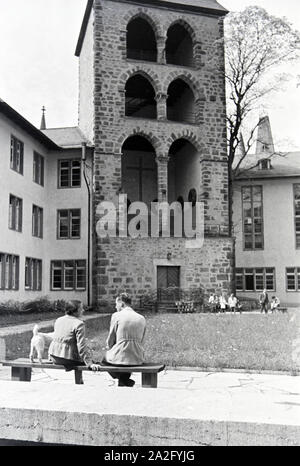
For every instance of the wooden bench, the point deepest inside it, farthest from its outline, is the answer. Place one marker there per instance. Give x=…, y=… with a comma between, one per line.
x=21, y=370
x=280, y=309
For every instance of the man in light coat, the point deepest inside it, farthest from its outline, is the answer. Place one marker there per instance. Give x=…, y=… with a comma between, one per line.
x=125, y=339
x=264, y=301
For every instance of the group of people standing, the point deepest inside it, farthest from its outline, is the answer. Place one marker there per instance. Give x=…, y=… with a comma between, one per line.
x=221, y=304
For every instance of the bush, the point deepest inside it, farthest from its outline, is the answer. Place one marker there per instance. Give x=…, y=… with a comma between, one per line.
x=38, y=305
x=10, y=307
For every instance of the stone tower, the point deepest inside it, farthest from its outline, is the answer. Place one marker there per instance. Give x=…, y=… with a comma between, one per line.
x=264, y=143
x=153, y=101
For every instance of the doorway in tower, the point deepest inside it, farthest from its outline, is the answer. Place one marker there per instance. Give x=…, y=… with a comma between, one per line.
x=168, y=284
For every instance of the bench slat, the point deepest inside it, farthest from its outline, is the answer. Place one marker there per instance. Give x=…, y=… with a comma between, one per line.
x=146, y=368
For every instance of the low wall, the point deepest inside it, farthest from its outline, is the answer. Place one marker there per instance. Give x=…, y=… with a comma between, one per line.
x=15, y=340
x=85, y=415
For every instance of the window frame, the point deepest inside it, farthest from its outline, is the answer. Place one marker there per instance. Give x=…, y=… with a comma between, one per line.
x=12, y=164
x=70, y=218
x=35, y=274
x=241, y=273
x=76, y=266
x=251, y=187
x=15, y=223
x=38, y=169
x=10, y=277
x=296, y=217
x=39, y=222
x=70, y=168
x=296, y=275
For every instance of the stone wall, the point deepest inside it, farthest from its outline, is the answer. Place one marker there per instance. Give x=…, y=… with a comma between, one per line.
x=130, y=265
x=111, y=129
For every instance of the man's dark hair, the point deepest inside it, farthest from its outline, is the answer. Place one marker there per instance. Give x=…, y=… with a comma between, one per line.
x=72, y=307
x=125, y=298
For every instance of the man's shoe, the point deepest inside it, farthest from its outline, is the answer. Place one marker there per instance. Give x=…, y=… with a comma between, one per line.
x=129, y=383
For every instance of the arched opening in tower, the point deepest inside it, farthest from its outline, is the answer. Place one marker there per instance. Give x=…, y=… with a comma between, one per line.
x=184, y=174
x=139, y=98
x=139, y=170
x=181, y=102
x=141, y=41
x=179, y=46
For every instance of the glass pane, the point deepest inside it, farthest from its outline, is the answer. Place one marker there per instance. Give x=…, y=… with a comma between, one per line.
x=76, y=172
x=291, y=282
x=239, y=282
x=69, y=274
x=246, y=194
x=247, y=228
x=257, y=194
x=80, y=277
x=57, y=276
x=258, y=242
x=248, y=242
x=249, y=282
x=257, y=210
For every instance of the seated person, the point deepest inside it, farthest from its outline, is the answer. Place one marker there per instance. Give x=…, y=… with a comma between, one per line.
x=275, y=303
x=124, y=341
x=68, y=347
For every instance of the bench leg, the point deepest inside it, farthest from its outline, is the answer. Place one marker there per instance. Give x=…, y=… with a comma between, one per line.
x=149, y=380
x=22, y=374
x=78, y=377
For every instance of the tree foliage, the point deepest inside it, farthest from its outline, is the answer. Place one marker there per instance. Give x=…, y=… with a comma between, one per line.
x=257, y=44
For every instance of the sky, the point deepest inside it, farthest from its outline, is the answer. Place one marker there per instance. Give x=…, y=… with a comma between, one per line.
x=38, y=65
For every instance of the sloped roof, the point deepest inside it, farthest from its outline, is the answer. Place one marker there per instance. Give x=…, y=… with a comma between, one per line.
x=204, y=6
x=14, y=116
x=67, y=138
x=283, y=165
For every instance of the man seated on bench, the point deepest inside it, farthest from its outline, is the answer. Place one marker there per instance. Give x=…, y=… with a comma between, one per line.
x=275, y=303
x=124, y=341
x=68, y=347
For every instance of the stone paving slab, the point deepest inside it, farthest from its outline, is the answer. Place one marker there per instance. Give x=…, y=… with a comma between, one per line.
x=188, y=408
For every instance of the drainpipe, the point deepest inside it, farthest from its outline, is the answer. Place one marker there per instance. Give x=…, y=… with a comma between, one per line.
x=83, y=158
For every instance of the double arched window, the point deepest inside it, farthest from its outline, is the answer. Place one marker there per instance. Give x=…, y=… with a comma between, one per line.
x=179, y=46
x=139, y=98
x=181, y=102
x=141, y=40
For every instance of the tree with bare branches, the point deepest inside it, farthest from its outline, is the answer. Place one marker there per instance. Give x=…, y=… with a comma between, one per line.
x=256, y=45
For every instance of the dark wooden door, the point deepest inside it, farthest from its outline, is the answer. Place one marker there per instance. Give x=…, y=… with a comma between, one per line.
x=168, y=277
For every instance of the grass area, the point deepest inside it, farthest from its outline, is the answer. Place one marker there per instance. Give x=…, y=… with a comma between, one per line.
x=15, y=318
x=241, y=341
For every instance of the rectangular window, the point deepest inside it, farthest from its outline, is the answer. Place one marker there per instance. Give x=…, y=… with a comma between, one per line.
x=68, y=224
x=252, y=217
x=33, y=274
x=9, y=272
x=297, y=213
x=69, y=173
x=68, y=275
x=37, y=221
x=15, y=213
x=16, y=155
x=293, y=279
x=38, y=168
x=255, y=279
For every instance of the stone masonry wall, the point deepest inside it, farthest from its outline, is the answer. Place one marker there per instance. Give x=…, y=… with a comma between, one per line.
x=111, y=129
